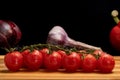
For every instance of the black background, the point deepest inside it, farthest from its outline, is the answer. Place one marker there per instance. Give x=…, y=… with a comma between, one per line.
x=87, y=21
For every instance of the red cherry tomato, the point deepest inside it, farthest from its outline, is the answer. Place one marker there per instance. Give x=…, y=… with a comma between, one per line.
x=72, y=62
x=89, y=63
x=25, y=53
x=34, y=60
x=115, y=37
x=106, y=63
x=45, y=52
x=98, y=52
x=62, y=53
x=53, y=61
x=13, y=60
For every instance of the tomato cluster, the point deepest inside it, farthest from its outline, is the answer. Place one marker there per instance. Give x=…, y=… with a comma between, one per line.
x=53, y=60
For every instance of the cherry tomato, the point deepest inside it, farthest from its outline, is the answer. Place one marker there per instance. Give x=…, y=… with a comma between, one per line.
x=89, y=63
x=72, y=62
x=53, y=61
x=106, y=63
x=25, y=53
x=115, y=37
x=62, y=53
x=98, y=52
x=34, y=60
x=45, y=52
x=13, y=60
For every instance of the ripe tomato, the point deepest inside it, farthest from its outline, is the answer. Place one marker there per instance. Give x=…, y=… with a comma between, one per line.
x=72, y=62
x=115, y=37
x=34, y=60
x=13, y=60
x=45, y=52
x=98, y=52
x=25, y=53
x=62, y=53
x=53, y=61
x=106, y=63
x=89, y=63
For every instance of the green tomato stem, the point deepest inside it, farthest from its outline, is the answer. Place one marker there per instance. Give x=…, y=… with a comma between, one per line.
x=114, y=14
x=116, y=19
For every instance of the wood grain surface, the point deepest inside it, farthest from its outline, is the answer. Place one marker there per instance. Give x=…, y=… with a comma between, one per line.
x=41, y=74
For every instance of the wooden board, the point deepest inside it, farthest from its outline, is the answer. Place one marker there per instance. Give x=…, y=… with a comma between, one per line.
x=5, y=74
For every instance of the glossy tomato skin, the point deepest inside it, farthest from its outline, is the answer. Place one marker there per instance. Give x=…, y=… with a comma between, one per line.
x=62, y=53
x=115, y=37
x=106, y=63
x=53, y=61
x=34, y=60
x=89, y=63
x=72, y=62
x=13, y=60
x=45, y=52
x=98, y=52
x=25, y=53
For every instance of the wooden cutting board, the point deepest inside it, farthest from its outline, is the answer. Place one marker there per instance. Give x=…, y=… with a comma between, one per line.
x=5, y=74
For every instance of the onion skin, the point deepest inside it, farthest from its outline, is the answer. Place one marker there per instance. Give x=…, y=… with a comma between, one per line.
x=58, y=36
x=10, y=34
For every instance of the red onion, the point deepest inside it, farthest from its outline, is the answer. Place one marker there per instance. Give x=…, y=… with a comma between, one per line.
x=10, y=34
x=58, y=36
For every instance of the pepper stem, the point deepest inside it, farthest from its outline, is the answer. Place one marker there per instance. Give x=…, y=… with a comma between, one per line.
x=114, y=14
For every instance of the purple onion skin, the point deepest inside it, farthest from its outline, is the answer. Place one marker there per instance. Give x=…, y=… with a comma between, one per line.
x=58, y=36
x=10, y=34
